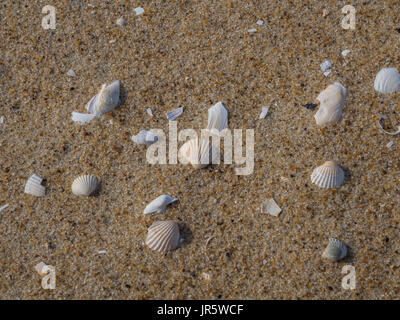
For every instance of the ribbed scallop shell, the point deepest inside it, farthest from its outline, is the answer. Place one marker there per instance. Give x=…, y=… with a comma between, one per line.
x=159, y=204
x=106, y=100
x=33, y=186
x=198, y=152
x=332, y=100
x=387, y=80
x=335, y=251
x=329, y=175
x=163, y=236
x=218, y=117
x=84, y=185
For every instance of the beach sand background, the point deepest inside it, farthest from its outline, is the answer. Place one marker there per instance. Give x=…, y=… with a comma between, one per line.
x=194, y=54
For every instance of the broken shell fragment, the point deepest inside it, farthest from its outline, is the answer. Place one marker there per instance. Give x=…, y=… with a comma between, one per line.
x=84, y=185
x=106, y=100
x=387, y=80
x=329, y=175
x=163, y=236
x=335, y=251
x=172, y=115
x=145, y=137
x=198, y=152
x=271, y=207
x=218, y=117
x=82, y=117
x=264, y=112
x=326, y=65
x=34, y=186
x=332, y=100
x=139, y=10
x=159, y=204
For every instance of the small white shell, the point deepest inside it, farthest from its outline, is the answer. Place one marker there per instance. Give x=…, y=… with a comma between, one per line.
x=329, y=175
x=332, y=100
x=149, y=112
x=264, y=112
x=218, y=117
x=163, y=236
x=106, y=100
x=159, y=204
x=71, y=73
x=326, y=65
x=172, y=115
x=387, y=80
x=335, y=251
x=82, y=117
x=260, y=22
x=271, y=207
x=84, y=185
x=139, y=10
x=145, y=137
x=345, y=52
x=198, y=153
x=34, y=187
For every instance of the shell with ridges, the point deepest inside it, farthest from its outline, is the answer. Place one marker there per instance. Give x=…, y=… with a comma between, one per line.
x=163, y=236
x=332, y=100
x=387, y=80
x=218, y=117
x=329, y=175
x=34, y=187
x=159, y=204
x=335, y=251
x=106, y=100
x=198, y=153
x=84, y=185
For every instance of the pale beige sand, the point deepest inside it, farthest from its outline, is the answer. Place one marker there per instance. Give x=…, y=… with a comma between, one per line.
x=194, y=54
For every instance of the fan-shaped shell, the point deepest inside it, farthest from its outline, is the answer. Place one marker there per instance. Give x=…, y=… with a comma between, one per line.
x=163, y=236
x=329, y=175
x=84, y=185
x=159, y=204
x=335, y=251
x=218, y=117
x=387, y=80
x=34, y=187
x=332, y=100
x=198, y=152
x=145, y=137
x=106, y=100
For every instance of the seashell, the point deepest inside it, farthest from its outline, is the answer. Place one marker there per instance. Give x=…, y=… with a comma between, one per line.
x=198, y=153
x=121, y=22
x=172, y=115
x=327, y=72
x=260, y=22
x=387, y=80
x=329, y=175
x=326, y=65
x=82, y=117
x=139, y=10
x=264, y=112
x=163, y=236
x=41, y=269
x=2, y=119
x=145, y=137
x=106, y=100
x=112, y=41
x=271, y=207
x=3, y=207
x=335, y=251
x=332, y=100
x=84, y=185
x=252, y=30
x=149, y=112
x=345, y=52
x=34, y=187
x=71, y=73
x=218, y=117
x=159, y=204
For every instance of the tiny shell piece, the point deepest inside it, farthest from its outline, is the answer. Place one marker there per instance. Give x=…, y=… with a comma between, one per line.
x=145, y=137
x=84, y=185
x=71, y=73
x=390, y=144
x=33, y=186
x=2, y=119
x=329, y=175
x=172, y=115
x=3, y=207
x=40, y=269
x=217, y=117
x=112, y=41
x=260, y=22
x=159, y=204
x=335, y=251
x=327, y=73
x=345, y=52
x=271, y=207
x=326, y=65
x=163, y=236
x=264, y=112
x=387, y=80
x=252, y=30
x=148, y=110
x=139, y=10
x=82, y=117
x=121, y=22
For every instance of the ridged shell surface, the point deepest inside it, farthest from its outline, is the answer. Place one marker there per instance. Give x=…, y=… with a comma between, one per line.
x=218, y=117
x=84, y=185
x=159, y=204
x=387, y=80
x=332, y=100
x=329, y=175
x=33, y=186
x=335, y=251
x=106, y=100
x=163, y=236
x=198, y=152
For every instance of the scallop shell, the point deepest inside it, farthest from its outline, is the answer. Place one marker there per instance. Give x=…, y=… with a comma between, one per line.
x=218, y=117
x=335, y=251
x=329, y=175
x=106, y=100
x=387, y=80
x=159, y=204
x=163, y=236
x=84, y=185
x=332, y=100
x=145, y=137
x=34, y=186
x=198, y=153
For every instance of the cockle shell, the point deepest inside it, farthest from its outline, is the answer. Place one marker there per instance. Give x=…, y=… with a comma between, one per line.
x=335, y=251
x=84, y=185
x=387, y=80
x=198, y=152
x=145, y=137
x=163, y=236
x=34, y=187
x=329, y=175
x=332, y=100
x=159, y=204
x=218, y=117
x=106, y=100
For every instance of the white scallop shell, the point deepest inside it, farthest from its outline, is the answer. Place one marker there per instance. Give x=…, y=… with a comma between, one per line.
x=34, y=187
x=163, y=236
x=387, y=80
x=198, y=153
x=145, y=137
x=332, y=100
x=218, y=117
x=329, y=175
x=84, y=185
x=159, y=204
x=335, y=251
x=106, y=100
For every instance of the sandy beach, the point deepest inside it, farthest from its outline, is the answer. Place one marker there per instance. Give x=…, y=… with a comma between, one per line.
x=192, y=54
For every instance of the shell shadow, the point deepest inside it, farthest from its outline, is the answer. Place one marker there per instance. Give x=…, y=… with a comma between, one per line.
x=186, y=234
x=122, y=95
x=96, y=194
x=347, y=174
